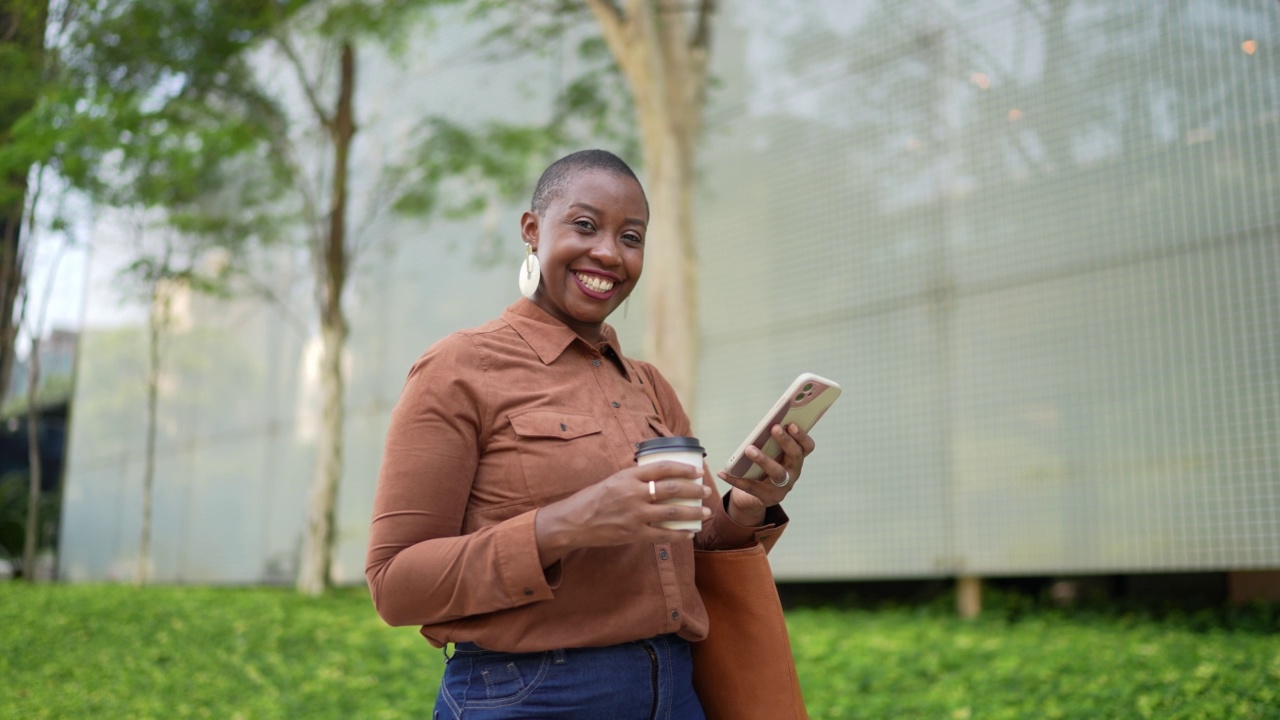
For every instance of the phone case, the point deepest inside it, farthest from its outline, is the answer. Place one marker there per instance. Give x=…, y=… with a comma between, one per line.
x=803, y=403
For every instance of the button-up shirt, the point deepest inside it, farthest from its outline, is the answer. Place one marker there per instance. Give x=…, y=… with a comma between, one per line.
x=494, y=423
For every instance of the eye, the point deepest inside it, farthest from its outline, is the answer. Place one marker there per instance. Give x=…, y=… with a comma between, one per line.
x=632, y=238
x=584, y=225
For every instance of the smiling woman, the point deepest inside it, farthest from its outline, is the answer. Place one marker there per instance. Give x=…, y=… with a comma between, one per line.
x=587, y=231
x=511, y=518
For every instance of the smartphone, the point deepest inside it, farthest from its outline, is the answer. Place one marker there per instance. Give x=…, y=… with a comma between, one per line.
x=803, y=403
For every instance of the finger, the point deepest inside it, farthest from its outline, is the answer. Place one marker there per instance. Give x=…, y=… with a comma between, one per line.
x=664, y=536
x=759, y=489
x=791, y=448
x=675, y=513
x=771, y=467
x=678, y=513
x=679, y=490
x=806, y=442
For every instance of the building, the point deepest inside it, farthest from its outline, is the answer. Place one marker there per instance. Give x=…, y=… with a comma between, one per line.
x=1037, y=242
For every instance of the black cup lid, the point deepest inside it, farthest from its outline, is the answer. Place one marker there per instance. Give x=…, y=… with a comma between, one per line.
x=668, y=444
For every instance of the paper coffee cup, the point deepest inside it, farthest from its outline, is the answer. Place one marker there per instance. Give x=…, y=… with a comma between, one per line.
x=687, y=450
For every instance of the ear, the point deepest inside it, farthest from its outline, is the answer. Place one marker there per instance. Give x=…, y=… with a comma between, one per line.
x=529, y=224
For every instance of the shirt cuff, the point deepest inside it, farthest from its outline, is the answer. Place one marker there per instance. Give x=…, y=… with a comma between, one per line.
x=733, y=534
x=519, y=566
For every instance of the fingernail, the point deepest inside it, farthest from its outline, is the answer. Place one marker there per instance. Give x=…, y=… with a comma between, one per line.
x=706, y=513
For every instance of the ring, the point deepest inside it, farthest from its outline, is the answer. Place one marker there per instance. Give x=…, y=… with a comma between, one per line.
x=785, y=480
x=653, y=491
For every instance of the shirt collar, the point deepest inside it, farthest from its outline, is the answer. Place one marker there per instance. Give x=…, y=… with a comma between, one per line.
x=549, y=337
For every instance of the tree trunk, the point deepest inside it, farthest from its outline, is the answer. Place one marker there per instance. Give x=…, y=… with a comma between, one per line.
x=664, y=58
x=10, y=283
x=155, y=327
x=671, y=299
x=30, y=542
x=22, y=24
x=332, y=267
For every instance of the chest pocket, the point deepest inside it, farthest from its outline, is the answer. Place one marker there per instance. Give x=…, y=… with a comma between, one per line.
x=552, y=424
x=560, y=453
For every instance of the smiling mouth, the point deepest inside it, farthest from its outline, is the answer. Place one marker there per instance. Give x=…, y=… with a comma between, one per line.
x=594, y=283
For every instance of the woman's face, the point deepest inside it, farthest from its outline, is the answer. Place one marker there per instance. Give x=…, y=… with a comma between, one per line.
x=590, y=243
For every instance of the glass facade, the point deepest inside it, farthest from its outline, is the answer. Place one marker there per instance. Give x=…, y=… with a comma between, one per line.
x=1037, y=242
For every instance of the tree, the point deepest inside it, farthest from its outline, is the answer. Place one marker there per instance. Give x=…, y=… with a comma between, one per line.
x=339, y=29
x=492, y=161
x=195, y=56
x=177, y=266
x=160, y=109
x=143, y=109
x=22, y=57
x=30, y=544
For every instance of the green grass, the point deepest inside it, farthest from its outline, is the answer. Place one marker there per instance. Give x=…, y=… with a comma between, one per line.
x=95, y=651
x=907, y=663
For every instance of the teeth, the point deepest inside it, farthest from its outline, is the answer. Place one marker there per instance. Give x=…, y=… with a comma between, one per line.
x=595, y=283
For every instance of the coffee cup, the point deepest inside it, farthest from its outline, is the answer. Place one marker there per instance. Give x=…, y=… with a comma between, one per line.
x=687, y=450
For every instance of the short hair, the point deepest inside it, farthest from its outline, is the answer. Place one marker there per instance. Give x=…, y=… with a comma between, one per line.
x=557, y=175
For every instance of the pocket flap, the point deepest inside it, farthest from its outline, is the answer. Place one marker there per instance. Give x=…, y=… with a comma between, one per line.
x=655, y=424
x=552, y=424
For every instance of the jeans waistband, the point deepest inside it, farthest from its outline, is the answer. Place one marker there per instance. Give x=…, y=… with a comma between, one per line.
x=472, y=647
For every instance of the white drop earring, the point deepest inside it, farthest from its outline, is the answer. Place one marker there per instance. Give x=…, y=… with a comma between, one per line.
x=530, y=272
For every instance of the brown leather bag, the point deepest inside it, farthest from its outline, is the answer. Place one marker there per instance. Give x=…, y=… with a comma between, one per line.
x=744, y=670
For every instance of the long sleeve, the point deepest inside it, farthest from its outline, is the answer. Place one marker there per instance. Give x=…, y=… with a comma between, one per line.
x=421, y=569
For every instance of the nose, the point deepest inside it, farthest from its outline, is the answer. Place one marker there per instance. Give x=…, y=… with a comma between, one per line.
x=605, y=251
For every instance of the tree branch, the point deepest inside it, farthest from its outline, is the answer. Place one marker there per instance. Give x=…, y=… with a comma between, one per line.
x=607, y=6
x=312, y=97
x=613, y=27
x=702, y=30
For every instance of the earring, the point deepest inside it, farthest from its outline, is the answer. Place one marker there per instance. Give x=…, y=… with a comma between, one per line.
x=530, y=272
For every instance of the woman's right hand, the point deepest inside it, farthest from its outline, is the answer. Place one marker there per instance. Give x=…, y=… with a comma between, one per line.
x=619, y=510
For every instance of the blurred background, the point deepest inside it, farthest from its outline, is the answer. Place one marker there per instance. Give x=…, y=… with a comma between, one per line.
x=1036, y=241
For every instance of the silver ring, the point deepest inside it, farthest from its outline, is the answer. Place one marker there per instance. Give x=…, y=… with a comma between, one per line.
x=653, y=491
x=785, y=480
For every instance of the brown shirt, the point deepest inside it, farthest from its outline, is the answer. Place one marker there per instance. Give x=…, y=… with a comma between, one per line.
x=493, y=423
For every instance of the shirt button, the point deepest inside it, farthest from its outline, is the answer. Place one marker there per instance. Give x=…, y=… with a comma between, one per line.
x=615, y=404
x=662, y=555
x=595, y=363
x=528, y=591
x=675, y=614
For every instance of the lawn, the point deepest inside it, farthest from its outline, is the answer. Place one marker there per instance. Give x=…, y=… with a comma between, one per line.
x=95, y=651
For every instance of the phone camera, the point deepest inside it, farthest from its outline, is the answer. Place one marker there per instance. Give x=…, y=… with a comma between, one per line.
x=808, y=387
x=799, y=397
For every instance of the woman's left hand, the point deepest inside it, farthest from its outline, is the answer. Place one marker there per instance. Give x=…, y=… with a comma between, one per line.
x=780, y=475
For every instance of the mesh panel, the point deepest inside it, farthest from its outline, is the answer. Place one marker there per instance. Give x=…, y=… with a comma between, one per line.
x=1037, y=243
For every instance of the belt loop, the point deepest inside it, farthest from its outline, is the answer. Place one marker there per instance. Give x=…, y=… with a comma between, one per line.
x=557, y=656
x=445, y=651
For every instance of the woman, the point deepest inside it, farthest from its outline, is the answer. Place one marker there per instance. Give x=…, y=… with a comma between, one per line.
x=510, y=516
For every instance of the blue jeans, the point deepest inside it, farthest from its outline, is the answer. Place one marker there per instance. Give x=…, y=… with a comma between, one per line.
x=645, y=680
